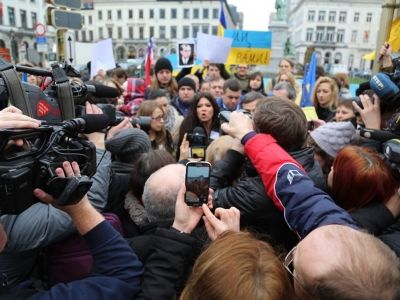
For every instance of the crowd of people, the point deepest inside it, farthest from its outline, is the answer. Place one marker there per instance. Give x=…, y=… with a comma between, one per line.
x=294, y=211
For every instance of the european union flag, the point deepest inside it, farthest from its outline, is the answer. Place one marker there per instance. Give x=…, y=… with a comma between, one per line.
x=309, y=81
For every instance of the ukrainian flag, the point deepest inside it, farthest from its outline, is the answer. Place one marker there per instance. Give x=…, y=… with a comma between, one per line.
x=222, y=20
x=309, y=82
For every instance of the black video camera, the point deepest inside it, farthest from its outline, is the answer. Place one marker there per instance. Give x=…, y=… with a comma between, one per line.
x=22, y=169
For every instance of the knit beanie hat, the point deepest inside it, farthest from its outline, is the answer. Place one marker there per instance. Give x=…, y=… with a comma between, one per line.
x=186, y=81
x=162, y=64
x=130, y=140
x=333, y=136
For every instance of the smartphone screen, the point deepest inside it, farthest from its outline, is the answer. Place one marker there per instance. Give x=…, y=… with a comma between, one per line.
x=197, y=183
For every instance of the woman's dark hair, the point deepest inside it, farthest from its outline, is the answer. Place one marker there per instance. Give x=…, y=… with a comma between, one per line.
x=253, y=76
x=146, y=165
x=222, y=71
x=192, y=120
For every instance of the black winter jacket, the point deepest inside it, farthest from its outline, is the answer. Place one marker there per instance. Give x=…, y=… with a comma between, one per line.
x=258, y=212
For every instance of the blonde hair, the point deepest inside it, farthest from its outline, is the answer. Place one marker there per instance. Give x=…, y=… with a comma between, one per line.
x=334, y=88
x=217, y=149
x=238, y=266
x=290, y=76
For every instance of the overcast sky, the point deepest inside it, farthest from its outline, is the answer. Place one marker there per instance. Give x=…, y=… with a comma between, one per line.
x=256, y=13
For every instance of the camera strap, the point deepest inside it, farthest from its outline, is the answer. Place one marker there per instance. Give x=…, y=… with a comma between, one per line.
x=16, y=92
x=64, y=92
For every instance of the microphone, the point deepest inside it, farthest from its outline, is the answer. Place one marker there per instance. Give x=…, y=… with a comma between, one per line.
x=87, y=123
x=198, y=137
x=97, y=90
x=377, y=135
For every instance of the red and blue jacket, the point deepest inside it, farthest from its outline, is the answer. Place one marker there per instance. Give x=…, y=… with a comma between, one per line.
x=304, y=206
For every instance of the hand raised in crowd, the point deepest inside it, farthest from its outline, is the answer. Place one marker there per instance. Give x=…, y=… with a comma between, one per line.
x=184, y=148
x=237, y=146
x=125, y=124
x=223, y=220
x=385, y=56
x=12, y=117
x=370, y=113
x=187, y=217
x=239, y=125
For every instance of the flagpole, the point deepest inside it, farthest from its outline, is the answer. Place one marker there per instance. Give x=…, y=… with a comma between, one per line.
x=384, y=30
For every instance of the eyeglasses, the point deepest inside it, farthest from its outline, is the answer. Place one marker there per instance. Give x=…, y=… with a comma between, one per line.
x=288, y=265
x=159, y=118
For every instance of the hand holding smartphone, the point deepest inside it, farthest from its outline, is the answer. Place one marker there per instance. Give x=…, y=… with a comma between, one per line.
x=197, y=183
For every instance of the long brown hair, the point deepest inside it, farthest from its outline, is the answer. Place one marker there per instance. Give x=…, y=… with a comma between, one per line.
x=146, y=109
x=172, y=87
x=238, y=266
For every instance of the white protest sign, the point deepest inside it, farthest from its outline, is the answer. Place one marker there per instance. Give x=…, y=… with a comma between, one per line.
x=102, y=57
x=213, y=48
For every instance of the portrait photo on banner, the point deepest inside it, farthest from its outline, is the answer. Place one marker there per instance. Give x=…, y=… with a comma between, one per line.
x=185, y=52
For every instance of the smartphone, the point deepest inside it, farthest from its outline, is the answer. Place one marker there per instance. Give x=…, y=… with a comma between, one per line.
x=197, y=183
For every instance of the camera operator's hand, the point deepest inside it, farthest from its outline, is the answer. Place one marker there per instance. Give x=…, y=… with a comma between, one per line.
x=223, y=220
x=184, y=148
x=97, y=138
x=371, y=113
x=239, y=125
x=12, y=117
x=125, y=124
x=82, y=213
x=187, y=217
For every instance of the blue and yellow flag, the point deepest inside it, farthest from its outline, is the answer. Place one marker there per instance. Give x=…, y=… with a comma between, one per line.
x=222, y=20
x=309, y=81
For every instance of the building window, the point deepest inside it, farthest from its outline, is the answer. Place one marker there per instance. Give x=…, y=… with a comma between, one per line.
x=330, y=33
x=354, y=36
x=214, y=30
x=185, y=32
x=342, y=17
x=151, y=31
x=130, y=29
x=205, y=13
x=83, y=20
x=311, y=15
x=90, y=19
x=140, y=13
x=366, y=36
x=369, y=17
x=83, y=36
x=120, y=32
x=141, y=32
x=340, y=36
x=204, y=28
x=130, y=14
x=309, y=34
x=321, y=16
x=356, y=17
x=119, y=14
x=110, y=32
x=161, y=31
x=24, y=23
x=320, y=34
x=100, y=15
x=186, y=13
x=215, y=13
x=11, y=16
x=90, y=35
x=109, y=14
x=151, y=13
x=195, y=30
x=196, y=13
x=77, y=35
x=332, y=16
x=173, y=32
x=338, y=58
x=162, y=13
x=173, y=13
x=101, y=34
x=34, y=18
